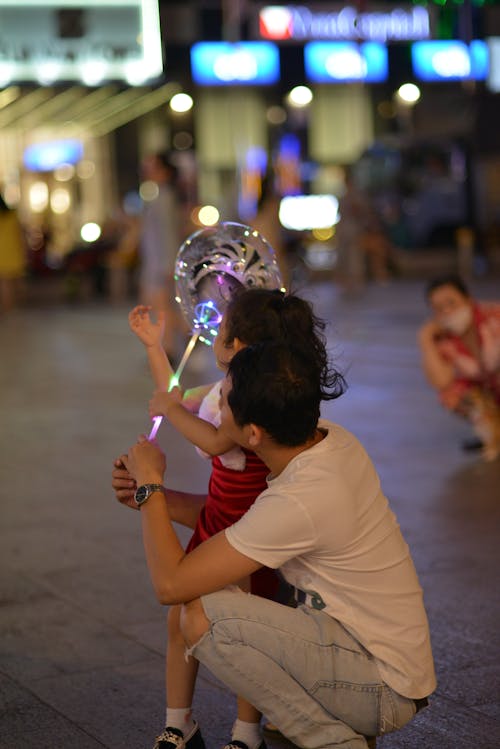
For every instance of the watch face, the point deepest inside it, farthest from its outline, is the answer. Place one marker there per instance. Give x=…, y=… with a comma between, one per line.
x=141, y=494
x=146, y=490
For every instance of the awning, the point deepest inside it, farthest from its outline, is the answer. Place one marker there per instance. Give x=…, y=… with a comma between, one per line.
x=77, y=109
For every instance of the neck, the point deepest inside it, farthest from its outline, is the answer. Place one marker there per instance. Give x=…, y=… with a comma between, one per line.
x=277, y=457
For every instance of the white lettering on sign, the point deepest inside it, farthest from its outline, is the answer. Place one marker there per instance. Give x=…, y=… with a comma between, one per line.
x=346, y=64
x=48, y=40
x=300, y=22
x=452, y=64
x=235, y=66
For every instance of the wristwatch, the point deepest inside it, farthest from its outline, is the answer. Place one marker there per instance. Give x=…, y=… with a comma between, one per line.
x=142, y=493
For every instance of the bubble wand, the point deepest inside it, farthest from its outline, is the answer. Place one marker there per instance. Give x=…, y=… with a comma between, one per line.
x=174, y=381
x=175, y=376
x=211, y=265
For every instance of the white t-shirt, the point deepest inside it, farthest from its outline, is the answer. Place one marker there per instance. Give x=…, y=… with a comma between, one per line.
x=326, y=524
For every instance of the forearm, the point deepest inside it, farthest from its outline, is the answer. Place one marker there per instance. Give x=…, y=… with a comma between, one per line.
x=161, y=545
x=184, y=507
x=178, y=577
x=160, y=367
x=193, y=397
x=439, y=372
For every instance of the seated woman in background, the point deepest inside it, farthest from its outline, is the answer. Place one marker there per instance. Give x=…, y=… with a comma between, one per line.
x=12, y=258
x=460, y=347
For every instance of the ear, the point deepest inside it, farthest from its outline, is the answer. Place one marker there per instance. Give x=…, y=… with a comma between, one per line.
x=255, y=435
x=238, y=345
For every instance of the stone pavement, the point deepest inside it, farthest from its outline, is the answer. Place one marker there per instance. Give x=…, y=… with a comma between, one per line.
x=81, y=635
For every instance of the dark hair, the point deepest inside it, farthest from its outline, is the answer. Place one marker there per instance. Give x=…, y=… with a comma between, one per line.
x=266, y=190
x=276, y=387
x=447, y=280
x=257, y=315
x=165, y=160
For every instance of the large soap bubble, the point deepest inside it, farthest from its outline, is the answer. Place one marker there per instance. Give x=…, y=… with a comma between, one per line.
x=213, y=263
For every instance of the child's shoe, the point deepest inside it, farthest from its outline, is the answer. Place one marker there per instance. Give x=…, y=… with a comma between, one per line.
x=173, y=738
x=241, y=745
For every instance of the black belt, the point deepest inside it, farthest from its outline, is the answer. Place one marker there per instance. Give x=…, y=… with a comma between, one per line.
x=421, y=703
x=299, y=595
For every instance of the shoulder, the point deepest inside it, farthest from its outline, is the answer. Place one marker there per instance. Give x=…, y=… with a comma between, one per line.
x=213, y=392
x=337, y=438
x=331, y=459
x=335, y=468
x=488, y=309
x=209, y=407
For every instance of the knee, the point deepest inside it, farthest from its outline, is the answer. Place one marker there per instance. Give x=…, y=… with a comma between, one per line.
x=173, y=624
x=193, y=622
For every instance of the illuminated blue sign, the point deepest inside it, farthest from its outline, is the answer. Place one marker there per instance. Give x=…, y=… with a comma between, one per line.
x=226, y=64
x=345, y=62
x=450, y=60
x=493, y=81
x=44, y=157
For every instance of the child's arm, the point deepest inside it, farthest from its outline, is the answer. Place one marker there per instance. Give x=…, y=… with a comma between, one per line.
x=193, y=397
x=151, y=335
x=201, y=433
x=437, y=370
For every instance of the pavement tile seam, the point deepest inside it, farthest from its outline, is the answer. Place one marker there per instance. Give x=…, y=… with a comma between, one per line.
x=51, y=590
x=83, y=611
x=33, y=696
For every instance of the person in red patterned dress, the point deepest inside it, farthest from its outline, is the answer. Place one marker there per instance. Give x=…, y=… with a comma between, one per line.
x=460, y=346
x=238, y=476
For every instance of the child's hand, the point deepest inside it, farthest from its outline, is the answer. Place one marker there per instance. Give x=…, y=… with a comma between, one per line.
x=161, y=402
x=150, y=333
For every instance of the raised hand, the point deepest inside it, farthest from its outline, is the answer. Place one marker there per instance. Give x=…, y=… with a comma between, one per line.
x=140, y=322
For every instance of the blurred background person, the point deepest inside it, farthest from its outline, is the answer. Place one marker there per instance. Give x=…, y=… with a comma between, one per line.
x=122, y=260
x=460, y=346
x=362, y=242
x=267, y=222
x=159, y=243
x=12, y=257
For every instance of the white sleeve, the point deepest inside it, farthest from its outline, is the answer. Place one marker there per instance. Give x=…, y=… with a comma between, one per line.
x=275, y=529
x=209, y=411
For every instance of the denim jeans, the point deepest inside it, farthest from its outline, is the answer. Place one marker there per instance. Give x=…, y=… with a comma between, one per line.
x=301, y=668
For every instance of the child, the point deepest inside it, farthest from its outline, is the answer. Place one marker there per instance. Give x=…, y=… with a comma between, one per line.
x=237, y=478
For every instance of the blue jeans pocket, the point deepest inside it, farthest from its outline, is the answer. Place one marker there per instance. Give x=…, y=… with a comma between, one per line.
x=395, y=710
x=355, y=704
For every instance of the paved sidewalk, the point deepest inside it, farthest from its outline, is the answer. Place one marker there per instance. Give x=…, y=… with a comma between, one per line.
x=81, y=636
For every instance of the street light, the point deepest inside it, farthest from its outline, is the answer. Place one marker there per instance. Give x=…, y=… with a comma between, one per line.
x=405, y=99
x=408, y=94
x=300, y=96
x=181, y=103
